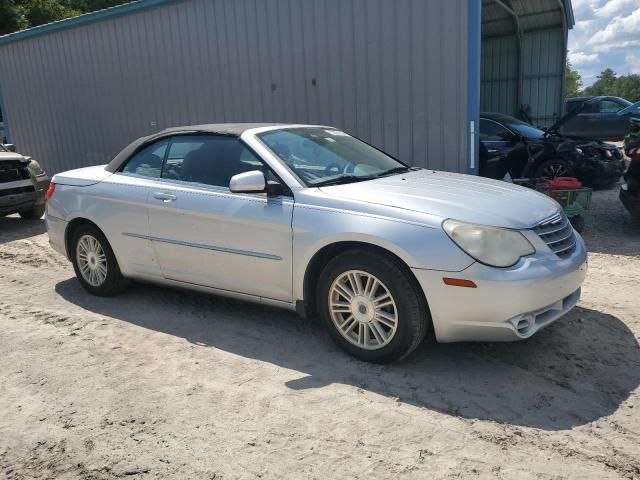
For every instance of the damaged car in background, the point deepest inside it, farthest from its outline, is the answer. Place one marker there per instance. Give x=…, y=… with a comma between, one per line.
x=23, y=184
x=630, y=190
x=511, y=146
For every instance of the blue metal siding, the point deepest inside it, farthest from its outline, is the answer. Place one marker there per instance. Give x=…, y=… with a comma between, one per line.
x=473, y=84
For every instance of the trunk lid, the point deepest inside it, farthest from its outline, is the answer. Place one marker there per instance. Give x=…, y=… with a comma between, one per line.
x=82, y=177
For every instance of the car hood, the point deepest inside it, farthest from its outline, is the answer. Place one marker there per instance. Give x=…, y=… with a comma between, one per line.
x=450, y=195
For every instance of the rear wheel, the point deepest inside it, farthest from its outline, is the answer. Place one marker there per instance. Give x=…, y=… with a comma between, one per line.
x=371, y=306
x=35, y=213
x=94, y=262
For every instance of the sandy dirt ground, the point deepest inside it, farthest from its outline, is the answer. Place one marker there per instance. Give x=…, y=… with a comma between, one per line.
x=160, y=383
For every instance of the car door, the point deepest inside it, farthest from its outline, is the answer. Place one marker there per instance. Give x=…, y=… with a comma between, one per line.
x=124, y=209
x=612, y=126
x=585, y=124
x=500, y=145
x=204, y=234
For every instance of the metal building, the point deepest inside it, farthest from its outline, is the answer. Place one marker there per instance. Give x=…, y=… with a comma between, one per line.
x=403, y=75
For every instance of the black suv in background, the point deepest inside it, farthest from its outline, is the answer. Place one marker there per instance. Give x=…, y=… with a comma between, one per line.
x=23, y=184
x=598, y=119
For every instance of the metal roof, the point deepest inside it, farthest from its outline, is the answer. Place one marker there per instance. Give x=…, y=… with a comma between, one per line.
x=504, y=17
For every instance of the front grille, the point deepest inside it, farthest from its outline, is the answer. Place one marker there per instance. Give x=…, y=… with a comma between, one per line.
x=16, y=191
x=558, y=234
x=13, y=174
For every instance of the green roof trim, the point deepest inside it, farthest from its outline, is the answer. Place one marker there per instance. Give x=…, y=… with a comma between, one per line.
x=80, y=20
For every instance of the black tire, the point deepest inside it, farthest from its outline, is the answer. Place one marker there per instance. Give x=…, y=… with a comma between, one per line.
x=413, y=318
x=577, y=222
x=114, y=282
x=34, y=214
x=557, y=164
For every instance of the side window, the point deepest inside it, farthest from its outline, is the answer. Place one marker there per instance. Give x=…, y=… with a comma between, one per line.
x=609, y=106
x=208, y=159
x=148, y=161
x=492, y=131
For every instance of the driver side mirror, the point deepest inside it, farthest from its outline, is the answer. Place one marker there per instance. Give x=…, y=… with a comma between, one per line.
x=248, y=182
x=10, y=146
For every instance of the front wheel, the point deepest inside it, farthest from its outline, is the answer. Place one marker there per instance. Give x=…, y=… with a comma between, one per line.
x=553, y=168
x=94, y=262
x=371, y=306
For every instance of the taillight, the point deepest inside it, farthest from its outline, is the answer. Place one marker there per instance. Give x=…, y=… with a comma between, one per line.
x=634, y=154
x=49, y=194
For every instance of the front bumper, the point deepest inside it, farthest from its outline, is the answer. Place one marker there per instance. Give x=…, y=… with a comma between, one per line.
x=17, y=196
x=508, y=304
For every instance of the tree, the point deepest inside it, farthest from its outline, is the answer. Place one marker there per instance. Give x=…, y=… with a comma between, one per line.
x=573, y=80
x=20, y=14
x=604, y=85
x=608, y=83
x=628, y=87
x=11, y=17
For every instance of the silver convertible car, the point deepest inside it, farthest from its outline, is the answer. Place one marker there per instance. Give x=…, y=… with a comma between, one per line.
x=312, y=219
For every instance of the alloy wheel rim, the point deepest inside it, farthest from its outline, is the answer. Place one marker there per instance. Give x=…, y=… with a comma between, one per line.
x=92, y=261
x=556, y=170
x=363, y=310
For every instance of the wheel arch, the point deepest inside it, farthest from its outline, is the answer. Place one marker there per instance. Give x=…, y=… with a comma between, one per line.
x=72, y=227
x=307, y=307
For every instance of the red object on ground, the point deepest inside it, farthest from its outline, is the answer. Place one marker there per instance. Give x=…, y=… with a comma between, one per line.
x=564, y=182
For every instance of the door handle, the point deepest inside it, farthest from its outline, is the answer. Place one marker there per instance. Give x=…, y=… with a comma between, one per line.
x=165, y=197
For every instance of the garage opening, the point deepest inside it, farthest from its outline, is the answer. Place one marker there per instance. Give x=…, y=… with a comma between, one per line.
x=523, y=55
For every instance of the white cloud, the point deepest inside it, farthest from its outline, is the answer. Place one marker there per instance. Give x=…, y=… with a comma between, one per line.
x=614, y=7
x=618, y=29
x=580, y=58
x=606, y=33
x=633, y=62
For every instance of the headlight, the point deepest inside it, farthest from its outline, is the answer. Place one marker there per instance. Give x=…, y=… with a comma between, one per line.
x=579, y=151
x=608, y=153
x=498, y=247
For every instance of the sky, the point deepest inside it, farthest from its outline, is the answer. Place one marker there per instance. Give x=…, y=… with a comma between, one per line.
x=606, y=35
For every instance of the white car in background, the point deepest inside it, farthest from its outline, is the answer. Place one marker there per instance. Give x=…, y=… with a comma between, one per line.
x=311, y=219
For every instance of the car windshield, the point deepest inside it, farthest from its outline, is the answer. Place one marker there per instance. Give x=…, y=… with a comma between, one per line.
x=325, y=156
x=2, y=149
x=526, y=130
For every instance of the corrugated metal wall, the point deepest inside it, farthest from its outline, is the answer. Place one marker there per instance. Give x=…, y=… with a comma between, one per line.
x=499, y=71
x=543, y=74
x=392, y=73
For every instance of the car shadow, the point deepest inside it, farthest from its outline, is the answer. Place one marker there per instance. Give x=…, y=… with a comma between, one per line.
x=15, y=228
x=575, y=371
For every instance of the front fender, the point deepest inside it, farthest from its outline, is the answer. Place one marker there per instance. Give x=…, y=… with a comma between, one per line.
x=419, y=246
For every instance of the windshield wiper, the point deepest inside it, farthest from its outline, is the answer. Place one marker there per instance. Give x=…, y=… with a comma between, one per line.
x=341, y=180
x=393, y=171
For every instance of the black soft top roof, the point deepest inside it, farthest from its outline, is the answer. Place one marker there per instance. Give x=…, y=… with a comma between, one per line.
x=227, y=129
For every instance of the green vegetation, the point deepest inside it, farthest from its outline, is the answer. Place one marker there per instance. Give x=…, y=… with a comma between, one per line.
x=20, y=14
x=573, y=81
x=608, y=83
